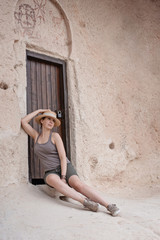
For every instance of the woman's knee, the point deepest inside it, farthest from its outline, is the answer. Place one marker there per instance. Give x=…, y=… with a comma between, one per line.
x=52, y=180
x=76, y=184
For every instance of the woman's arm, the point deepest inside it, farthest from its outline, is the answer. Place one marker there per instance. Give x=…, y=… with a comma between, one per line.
x=27, y=127
x=62, y=154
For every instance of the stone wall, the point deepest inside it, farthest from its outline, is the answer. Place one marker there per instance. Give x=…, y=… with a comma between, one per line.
x=112, y=49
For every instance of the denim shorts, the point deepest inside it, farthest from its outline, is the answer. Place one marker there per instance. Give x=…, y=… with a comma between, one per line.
x=70, y=172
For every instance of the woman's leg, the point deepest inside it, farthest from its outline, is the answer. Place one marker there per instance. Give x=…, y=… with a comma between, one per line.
x=54, y=181
x=84, y=189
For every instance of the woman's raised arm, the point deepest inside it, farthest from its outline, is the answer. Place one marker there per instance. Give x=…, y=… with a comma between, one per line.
x=27, y=127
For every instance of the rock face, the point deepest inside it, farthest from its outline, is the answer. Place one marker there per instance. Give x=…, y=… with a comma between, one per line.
x=112, y=50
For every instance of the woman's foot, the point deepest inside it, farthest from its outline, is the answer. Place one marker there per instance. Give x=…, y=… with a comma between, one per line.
x=93, y=206
x=112, y=208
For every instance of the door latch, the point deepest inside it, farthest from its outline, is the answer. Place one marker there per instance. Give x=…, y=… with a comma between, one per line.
x=59, y=114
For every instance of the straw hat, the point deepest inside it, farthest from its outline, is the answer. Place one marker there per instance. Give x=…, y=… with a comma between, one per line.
x=48, y=114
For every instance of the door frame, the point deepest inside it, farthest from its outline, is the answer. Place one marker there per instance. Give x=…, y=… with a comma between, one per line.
x=62, y=65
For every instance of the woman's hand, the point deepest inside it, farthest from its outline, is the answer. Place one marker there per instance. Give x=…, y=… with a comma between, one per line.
x=64, y=180
x=43, y=110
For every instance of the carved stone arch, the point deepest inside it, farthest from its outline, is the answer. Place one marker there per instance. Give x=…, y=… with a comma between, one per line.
x=69, y=32
x=45, y=25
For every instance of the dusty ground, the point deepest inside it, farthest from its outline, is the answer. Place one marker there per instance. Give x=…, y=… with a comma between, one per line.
x=35, y=212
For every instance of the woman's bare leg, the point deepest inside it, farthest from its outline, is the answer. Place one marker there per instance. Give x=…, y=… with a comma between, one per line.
x=55, y=181
x=87, y=191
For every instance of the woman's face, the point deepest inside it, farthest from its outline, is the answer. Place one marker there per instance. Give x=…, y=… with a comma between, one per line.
x=47, y=122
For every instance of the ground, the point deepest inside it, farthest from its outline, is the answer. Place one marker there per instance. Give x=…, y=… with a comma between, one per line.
x=30, y=212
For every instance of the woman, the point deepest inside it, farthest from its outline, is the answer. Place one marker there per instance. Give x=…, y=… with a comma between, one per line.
x=58, y=171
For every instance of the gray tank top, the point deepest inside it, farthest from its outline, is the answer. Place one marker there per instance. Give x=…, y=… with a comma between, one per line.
x=47, y=154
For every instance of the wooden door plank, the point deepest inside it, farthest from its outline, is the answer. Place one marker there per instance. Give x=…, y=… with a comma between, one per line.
x=39, y=85
x=53, y=88
x=44, y=86
x=59, y=105
x=29, y=109
x=34, y=107
x=48, y=83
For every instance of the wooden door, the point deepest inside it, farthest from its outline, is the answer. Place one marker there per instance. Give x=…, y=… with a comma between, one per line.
x=46, y=89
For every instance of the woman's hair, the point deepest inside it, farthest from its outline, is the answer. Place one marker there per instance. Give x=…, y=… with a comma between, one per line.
x=40, y=121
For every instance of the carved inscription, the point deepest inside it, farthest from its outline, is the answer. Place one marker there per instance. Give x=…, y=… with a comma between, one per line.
x=26, y=18
x=39, y=9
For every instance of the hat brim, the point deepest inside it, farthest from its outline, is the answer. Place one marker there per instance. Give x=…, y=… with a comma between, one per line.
x=57, y=122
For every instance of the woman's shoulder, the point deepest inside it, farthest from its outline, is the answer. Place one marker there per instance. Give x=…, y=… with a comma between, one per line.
x=55, y=136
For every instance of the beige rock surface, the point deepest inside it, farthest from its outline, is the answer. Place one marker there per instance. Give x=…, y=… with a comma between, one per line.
x=28, y=213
